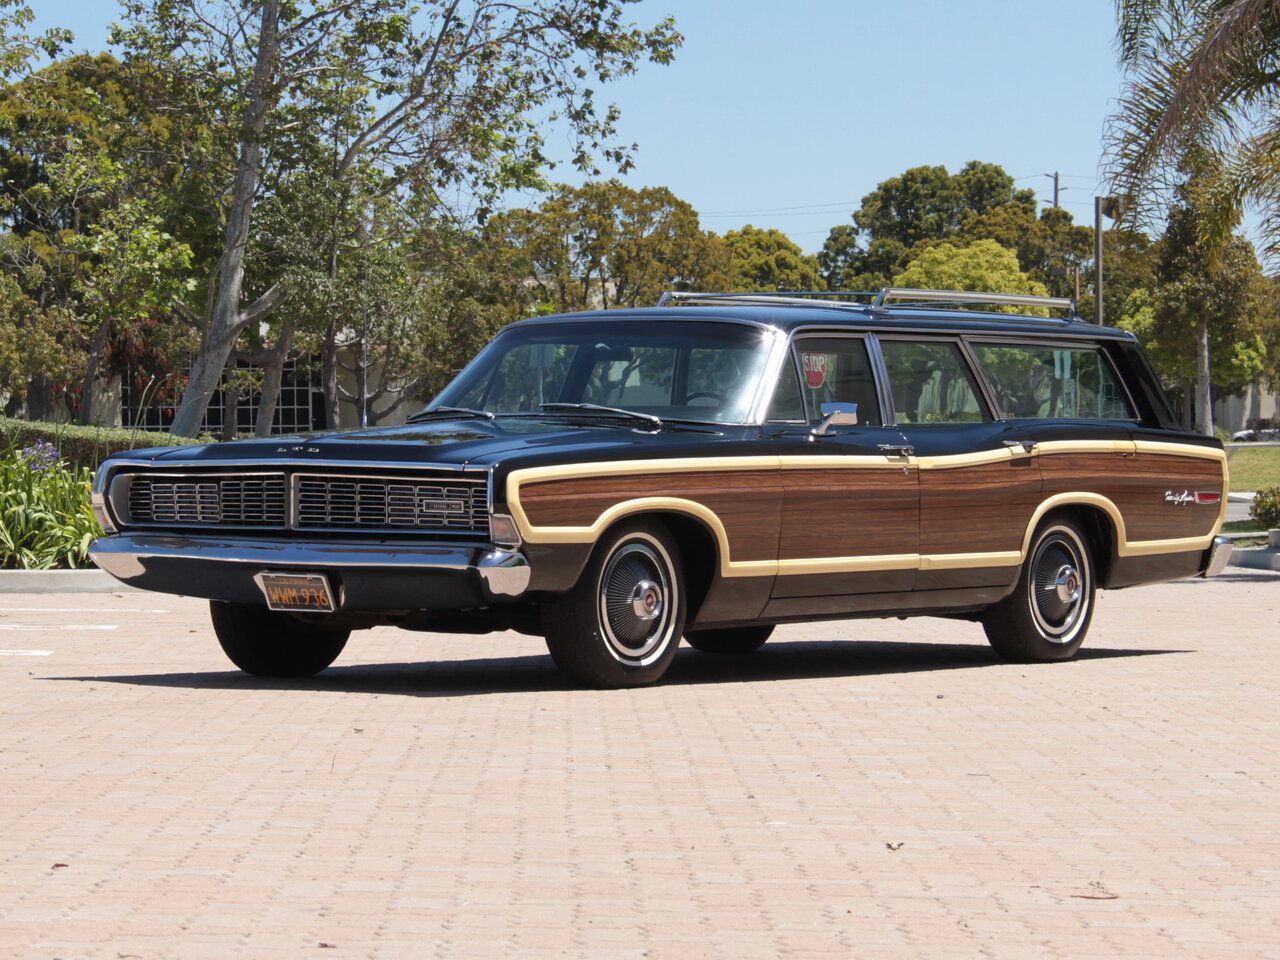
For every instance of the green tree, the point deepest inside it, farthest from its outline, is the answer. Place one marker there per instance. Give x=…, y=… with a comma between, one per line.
x=983, y=265
x=18, y=47
x=449, y=99
x=1203, y=319
x=765, y=260
x=605, y=245
x=921, y=205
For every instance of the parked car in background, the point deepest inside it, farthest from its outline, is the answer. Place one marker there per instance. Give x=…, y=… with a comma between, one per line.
x=706, y=469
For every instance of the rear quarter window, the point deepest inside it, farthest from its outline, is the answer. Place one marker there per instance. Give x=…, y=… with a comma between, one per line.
x=1049, y=382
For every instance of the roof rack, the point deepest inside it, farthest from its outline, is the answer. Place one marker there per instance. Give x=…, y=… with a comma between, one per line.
x=878, y=299
x=819, y=297
x=969, y=296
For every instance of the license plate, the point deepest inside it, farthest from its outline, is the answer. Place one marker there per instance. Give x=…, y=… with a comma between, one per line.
x=296, y=591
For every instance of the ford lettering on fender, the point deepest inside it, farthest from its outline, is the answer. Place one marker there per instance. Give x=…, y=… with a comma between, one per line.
x=706, y=469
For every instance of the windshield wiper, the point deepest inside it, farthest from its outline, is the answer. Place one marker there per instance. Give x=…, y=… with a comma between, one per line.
x=451, y=413
x=595, y=409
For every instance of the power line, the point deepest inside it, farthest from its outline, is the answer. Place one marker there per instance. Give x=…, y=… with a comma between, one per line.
x=806, y=206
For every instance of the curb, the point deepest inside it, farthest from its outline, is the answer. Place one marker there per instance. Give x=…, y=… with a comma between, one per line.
x=61, y=581
x=1257, y=559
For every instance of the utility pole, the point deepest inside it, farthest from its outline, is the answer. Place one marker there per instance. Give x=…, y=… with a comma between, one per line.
x=1097, y=256
x=1054, y=177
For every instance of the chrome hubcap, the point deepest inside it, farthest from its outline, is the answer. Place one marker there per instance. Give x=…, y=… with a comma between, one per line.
x=636, y=599
x=1059, y=588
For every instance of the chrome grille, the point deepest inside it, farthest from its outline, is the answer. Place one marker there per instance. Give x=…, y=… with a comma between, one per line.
x=257, y=501
x=428, y=502
x=395, y=503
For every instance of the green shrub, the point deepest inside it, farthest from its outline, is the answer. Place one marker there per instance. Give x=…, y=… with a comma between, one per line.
x=83, y=446
x=45, y=517
x=1266, y=508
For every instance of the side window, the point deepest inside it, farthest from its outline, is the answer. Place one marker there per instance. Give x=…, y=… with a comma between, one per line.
x=1055, y=383
x=931, y=382
x=833, y=370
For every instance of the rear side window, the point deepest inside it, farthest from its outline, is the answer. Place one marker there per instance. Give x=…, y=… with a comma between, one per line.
x=1053, y=383
x=931, y=382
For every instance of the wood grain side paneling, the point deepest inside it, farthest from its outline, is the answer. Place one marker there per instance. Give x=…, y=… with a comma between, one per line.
x=1136, y=484
x=748, y=502
x=979, y=509
x=849, y=513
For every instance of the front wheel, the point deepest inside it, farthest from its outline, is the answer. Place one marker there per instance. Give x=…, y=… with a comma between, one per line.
x=621, y=623
x=1048, y=613
x=267, y=643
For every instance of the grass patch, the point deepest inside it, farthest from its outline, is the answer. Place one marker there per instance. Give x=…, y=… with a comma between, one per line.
x=1254, y=469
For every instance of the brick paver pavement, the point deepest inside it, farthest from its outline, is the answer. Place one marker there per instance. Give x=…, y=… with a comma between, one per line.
x=840, y=793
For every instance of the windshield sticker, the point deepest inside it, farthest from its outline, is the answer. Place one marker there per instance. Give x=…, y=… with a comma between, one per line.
x=815, y=369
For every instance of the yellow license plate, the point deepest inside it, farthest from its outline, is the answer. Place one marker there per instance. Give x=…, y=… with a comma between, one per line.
x=297, y=592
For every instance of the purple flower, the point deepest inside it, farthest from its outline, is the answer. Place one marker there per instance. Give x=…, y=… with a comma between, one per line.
x=41, y=455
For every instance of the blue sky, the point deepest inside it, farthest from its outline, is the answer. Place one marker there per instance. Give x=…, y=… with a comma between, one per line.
x=786, y=116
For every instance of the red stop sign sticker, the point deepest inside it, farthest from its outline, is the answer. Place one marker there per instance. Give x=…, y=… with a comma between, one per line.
x=815, y=369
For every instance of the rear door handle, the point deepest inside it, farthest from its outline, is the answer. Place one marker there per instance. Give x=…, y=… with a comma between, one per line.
x=898, y=449
x=1028, y=446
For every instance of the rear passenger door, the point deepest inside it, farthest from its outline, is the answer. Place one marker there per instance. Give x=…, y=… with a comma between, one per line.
x=979, y=480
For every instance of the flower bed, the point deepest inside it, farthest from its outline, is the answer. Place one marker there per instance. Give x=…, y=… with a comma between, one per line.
x=45, y=518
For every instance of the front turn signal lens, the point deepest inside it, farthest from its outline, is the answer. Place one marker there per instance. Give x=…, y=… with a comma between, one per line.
x=503, y=530
x=99, y=504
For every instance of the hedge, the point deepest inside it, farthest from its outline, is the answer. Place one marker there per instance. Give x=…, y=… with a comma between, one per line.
x=83, y=446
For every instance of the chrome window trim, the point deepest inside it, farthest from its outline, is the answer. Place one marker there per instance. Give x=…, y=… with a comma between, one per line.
x=965, y=357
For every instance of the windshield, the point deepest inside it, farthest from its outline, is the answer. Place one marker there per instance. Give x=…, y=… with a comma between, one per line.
x=673, y=370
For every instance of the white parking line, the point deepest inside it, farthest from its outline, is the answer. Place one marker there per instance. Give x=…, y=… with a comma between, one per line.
x=25, y=653
x=37, y=626
x=4, y=609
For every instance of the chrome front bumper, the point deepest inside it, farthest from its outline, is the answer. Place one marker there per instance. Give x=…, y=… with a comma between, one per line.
x=373, y=575
x=1217, y=557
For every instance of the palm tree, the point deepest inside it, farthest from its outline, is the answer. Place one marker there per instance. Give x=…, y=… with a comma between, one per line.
x=1201, y=104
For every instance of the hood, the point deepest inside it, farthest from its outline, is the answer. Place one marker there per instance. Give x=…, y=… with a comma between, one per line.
x=454, y=442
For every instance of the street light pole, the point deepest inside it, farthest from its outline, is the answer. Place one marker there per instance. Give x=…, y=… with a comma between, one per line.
x=1097, y=257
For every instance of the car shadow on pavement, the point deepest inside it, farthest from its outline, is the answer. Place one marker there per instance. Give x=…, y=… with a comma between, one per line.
x=787, y=660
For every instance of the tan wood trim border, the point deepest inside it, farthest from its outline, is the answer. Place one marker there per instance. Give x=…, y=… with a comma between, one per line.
x=818, y=565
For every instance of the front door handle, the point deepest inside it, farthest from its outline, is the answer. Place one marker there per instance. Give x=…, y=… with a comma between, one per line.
x=897, y=449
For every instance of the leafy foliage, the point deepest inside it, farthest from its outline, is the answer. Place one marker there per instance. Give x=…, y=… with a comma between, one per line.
x=81, y=446
x=605, y=245
x=45, y=517
x=768, y=260
x=1266, y=508
x=982, y=265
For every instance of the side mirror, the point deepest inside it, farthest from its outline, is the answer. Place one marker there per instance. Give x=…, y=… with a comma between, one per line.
x=836, y=415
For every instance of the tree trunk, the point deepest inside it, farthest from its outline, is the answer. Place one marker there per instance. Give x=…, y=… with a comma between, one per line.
x=39, y=398
x=272, y=377
x=1204, y=382
x=227, y=319
x=329, y=375
x=88, y=389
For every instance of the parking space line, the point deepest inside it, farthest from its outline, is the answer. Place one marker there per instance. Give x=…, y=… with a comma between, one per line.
x=4, y=609
x=38, y=626
x=25, y=653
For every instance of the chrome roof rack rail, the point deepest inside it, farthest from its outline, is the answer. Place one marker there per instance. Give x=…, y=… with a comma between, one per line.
x=969, y=296
x=820, y=298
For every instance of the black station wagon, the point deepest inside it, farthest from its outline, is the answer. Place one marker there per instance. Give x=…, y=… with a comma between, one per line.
x=706, y=469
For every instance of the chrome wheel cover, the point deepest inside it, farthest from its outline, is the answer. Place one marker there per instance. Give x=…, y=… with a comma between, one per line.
x=636, y=601
x=1058, y=586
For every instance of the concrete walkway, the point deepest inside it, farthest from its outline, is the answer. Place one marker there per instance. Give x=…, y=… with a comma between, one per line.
x=870, y=789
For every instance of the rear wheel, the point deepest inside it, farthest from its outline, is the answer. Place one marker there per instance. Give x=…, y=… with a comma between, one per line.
x=729, y=639
x=267, y=643
x=1048, y=614
x=621, y=623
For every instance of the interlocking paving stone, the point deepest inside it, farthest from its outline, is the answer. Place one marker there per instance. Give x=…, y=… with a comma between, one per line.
x=870, y=789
